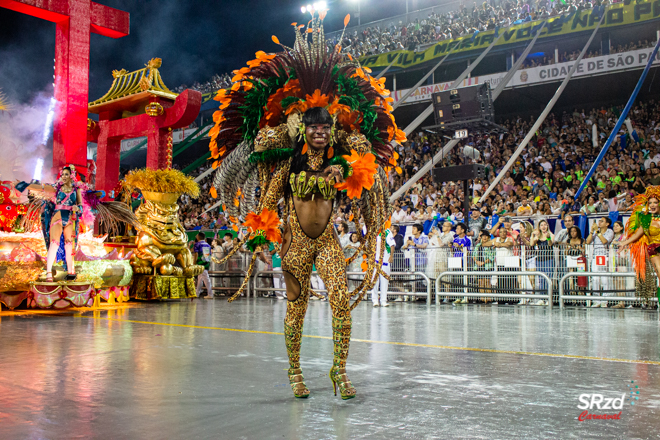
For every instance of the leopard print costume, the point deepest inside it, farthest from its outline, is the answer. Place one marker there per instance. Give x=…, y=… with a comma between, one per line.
x=297, y=261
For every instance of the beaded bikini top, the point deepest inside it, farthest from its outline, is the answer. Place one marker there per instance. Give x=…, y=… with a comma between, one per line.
x=302, y=186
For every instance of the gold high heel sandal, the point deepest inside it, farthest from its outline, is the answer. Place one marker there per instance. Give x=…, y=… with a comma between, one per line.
x=339, y=378
x=341, y=336
x=292, y=337
x=297, y=382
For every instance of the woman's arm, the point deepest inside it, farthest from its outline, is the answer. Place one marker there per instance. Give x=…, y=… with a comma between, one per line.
x=79, y=199
x=535, y=238
x=633, y=238
x=276, y=188
x=46, y=188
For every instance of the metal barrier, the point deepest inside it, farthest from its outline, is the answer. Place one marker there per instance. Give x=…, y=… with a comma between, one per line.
x=563, y=297
x=467, y=293
x=213, y=274
x=421, y=275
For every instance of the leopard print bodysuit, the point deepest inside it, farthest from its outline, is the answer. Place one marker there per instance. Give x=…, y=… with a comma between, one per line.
x=324, y=251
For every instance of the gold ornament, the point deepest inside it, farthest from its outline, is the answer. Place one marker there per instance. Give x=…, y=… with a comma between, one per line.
x=154, y=109
x=170, y=142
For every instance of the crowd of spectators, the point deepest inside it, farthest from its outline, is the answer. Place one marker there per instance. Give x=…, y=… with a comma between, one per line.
x=546, y=176
x=466, y=20
x=217, y=82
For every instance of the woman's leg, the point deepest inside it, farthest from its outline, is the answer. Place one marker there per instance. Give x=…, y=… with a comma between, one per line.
x=297, y=260
x=55, y=237
x=68, y=248
x=655, y=261
x=331, y=266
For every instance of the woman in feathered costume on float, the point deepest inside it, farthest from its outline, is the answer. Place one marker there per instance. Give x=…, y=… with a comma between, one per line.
x=63, y=206
x=643, y=234
x=301, y=125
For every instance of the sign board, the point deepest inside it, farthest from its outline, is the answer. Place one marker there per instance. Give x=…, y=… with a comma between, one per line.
x=461, y=134
x=619, y=62
x=509, y=262
x=601, y=260
x=572, y=262
x=454, y=262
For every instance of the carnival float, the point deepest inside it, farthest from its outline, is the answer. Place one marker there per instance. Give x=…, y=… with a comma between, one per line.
x=92, y=261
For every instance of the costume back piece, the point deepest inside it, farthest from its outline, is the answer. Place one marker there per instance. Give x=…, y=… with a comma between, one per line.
x=648, y=245
x=256, y=142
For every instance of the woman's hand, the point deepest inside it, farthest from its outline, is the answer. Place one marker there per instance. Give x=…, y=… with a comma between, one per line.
x=335, y=171
x=621, y=247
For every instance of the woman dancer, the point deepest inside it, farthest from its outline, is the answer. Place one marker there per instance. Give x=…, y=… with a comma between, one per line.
x=643, y=237
x=301, y=125
x=62, y=207
x=60, y=219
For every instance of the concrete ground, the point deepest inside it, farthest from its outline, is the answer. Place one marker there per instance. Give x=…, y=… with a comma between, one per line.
x=209, y=369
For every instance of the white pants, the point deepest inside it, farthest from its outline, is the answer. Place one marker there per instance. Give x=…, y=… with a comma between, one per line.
x=600, y=282
x=381, y=282
x=278, y=282
x=202, y=279
x=317, y=284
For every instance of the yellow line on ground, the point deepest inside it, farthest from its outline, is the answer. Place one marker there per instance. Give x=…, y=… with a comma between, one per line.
x=405, y=344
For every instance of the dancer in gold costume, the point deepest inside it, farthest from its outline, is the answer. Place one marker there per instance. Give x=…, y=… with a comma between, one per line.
x=643, y=234
x=302, y=125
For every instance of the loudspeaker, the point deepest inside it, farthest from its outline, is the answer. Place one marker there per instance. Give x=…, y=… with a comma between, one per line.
x=458, y=173
x=465, y=104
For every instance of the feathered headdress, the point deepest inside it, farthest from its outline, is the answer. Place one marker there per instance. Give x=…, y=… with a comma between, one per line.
x=641, y=217
x=311, y=74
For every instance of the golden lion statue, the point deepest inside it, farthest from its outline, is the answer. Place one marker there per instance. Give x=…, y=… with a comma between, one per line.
x=162, y=242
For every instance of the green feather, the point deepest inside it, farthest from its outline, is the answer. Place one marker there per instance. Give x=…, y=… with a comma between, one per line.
x=338, y=160
x=289, y=100
x=259, y=240
x=271, y=155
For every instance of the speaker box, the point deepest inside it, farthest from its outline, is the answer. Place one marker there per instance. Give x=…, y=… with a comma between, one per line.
x=465, y=104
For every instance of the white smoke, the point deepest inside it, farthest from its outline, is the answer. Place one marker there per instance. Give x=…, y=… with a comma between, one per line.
x=22, y=130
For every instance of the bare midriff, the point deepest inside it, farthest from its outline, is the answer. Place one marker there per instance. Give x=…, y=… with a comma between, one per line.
x=313, y=215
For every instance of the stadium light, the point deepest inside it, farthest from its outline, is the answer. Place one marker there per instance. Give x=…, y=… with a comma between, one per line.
x=315, y=7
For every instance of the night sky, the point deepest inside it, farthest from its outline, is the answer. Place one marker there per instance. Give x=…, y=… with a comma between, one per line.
x=195, y=39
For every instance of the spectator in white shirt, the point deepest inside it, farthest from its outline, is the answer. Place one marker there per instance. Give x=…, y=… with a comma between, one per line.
x=601, y=239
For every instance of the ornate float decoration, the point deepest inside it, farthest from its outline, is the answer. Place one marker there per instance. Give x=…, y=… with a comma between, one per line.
x=163, y=264
x=138, y=104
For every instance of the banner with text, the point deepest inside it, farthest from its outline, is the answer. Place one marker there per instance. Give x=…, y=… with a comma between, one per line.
x=615, y=15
